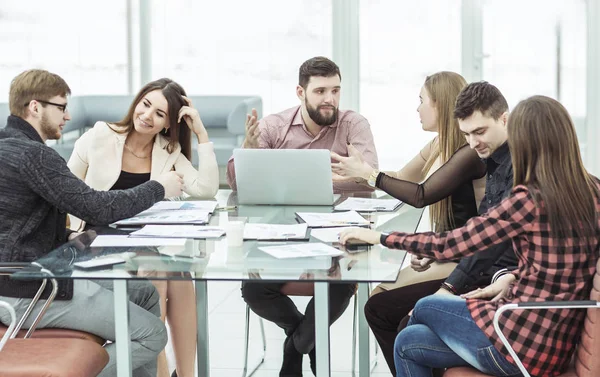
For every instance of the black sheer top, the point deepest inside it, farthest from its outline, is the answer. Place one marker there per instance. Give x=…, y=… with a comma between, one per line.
x=129, y=180
x=454, y=178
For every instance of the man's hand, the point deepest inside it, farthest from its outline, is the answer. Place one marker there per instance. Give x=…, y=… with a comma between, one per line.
x=172, y=183
x=499, y=289
x=420, y=264
x=252, y=131
x=349, y=168
x=74, y=235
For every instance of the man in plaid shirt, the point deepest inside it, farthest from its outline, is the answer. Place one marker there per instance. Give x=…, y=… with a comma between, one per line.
x=556, y=260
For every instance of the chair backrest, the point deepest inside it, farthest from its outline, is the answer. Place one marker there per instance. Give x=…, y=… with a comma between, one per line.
x=587, y=358
x=4, y=113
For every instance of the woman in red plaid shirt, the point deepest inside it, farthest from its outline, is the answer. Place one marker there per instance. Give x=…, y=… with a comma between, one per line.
x=552, y=219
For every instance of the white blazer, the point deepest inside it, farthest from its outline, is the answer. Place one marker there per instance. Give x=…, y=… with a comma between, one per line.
x=98, y=155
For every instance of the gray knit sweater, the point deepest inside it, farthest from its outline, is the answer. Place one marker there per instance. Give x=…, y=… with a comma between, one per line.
x=37, y=190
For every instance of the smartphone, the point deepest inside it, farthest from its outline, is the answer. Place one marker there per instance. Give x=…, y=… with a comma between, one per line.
x=353, y=248
x=98, y=263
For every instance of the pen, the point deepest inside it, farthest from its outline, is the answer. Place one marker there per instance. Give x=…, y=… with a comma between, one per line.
x=227, y=208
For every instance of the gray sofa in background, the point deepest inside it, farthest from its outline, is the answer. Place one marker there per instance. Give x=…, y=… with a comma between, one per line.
x=223, y=116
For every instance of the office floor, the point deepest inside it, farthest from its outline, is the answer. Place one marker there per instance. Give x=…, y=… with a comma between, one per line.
x=227, y=319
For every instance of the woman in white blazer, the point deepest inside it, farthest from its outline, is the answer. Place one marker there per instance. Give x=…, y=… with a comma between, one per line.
x=154, y=138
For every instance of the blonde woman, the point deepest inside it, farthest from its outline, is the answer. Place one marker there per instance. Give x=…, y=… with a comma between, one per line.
x=453, y=184
x=154, y=137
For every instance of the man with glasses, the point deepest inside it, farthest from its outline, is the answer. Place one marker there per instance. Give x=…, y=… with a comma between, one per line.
x=37, y=190
x=52, y=120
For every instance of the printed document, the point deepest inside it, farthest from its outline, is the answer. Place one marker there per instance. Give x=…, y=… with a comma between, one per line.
x=329, y=234
x=169, y=205
x=177, y=216
x=126, y=241
x=302, y=250
x=253, y=231
x=368, y=205
x=179, y=231
x=316, y=219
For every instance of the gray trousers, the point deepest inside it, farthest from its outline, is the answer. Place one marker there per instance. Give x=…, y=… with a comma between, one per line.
x=92, y=310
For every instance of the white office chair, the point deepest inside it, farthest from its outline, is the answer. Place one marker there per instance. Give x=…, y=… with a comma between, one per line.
x=247, y=340
x=245, y=372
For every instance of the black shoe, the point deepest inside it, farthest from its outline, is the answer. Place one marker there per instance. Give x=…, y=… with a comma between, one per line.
x=312, y=355
x=174, y=374
x=292, y=360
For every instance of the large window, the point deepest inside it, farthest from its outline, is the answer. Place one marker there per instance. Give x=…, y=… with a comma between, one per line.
x=401, y=42
x=542, y=50
x=239, y=47
x=84, y=42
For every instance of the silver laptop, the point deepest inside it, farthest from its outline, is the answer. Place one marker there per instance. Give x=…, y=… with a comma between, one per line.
x=284, y=176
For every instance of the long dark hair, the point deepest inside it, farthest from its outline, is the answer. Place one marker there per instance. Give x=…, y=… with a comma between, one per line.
x=177, y=132
x=545, y=156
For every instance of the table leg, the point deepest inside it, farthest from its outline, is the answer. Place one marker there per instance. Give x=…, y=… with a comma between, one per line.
x=322, y=328
x=202, y=335
x=122, y=328
x=364, y=362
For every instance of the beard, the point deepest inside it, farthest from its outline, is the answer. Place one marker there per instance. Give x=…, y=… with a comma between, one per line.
x=315, y=114
x=51, y=132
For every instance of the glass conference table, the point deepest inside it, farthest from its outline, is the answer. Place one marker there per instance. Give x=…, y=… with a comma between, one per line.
x=214, y=260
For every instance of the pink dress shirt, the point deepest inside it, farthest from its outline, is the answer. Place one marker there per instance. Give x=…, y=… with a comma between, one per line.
x=286, y=130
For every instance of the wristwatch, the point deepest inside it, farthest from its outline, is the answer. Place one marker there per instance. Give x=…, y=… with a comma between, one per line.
x=383, y=238
x=372, y=180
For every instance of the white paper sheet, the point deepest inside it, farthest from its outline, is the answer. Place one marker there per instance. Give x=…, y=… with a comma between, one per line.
x=254, y=231
x=125, y=241
x=329, y=234
x=336, y=219
x=169, y=205
x=302, y=250
x=368, y=205
x=179, y=231
x=178, y=216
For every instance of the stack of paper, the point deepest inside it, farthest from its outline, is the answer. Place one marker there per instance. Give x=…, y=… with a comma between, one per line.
x=126, y=241
x=302, y=250
x=179, y=231
x=368, y=205
x=275, y=232
x=174, y=212
x=178, y=216
x=324, y=220
x=170, y=205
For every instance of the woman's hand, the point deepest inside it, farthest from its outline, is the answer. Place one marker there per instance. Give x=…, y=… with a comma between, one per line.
x=192, y=119
x=499, y=289
x=360, y=234
x=350, y=168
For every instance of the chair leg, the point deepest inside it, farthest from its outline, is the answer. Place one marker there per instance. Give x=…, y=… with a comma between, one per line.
x=354, y=327
x=247, y=341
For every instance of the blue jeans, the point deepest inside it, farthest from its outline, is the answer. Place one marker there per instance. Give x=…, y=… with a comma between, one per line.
x=442, y=334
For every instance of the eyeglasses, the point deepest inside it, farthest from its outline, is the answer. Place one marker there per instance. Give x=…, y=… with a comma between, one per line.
x=61, y=106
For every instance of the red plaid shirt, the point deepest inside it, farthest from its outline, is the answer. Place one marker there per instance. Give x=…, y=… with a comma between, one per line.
x=548, y=271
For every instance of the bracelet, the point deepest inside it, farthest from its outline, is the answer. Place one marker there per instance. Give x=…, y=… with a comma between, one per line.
x=449, y=287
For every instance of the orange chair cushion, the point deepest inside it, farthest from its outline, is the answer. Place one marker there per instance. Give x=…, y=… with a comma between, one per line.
x=52, y=358
x=57, y=333
x=298, y=289
x=464, y=372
